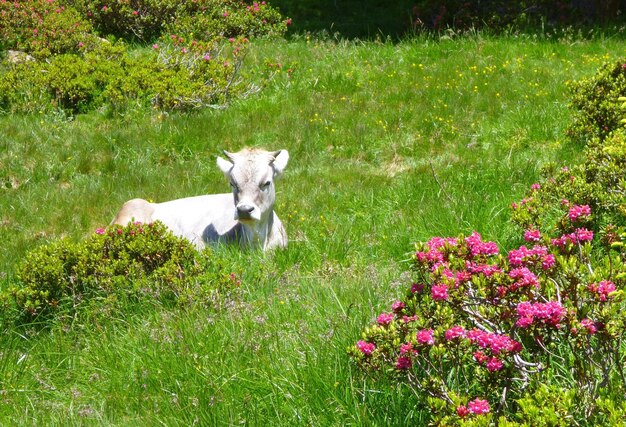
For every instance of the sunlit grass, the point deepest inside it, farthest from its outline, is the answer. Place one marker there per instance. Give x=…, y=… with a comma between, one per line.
x=390, y=144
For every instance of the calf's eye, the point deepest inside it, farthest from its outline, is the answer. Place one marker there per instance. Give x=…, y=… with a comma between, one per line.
x=266, y=185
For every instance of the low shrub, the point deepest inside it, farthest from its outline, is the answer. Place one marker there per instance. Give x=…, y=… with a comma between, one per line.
x=477, y=331
x=599, y=182
x=595, y=102
x=135, y=262
x=177, y=74
x=204, y=20
x=41, y=27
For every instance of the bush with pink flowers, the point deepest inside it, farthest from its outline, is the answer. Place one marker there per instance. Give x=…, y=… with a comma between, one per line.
x=147, y=20
x=41, y=27
x=479, y=329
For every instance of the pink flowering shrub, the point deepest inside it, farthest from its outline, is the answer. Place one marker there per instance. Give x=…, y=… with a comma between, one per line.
x=479, y=329
x=41, y=27
x=147, y=20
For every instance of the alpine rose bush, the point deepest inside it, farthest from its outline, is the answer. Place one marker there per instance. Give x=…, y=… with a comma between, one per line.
x=479, y=329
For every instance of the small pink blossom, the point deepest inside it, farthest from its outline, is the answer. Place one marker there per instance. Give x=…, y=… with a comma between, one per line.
x=406, y=348
x=579, y=211
x=535, y=186
x=455, y=332
x=365, y=347
x=403, y=362
x=462, y=411
x=385, y=318
x=439, y=292
x=155, y=46
x=603, y=289
x=100, y=230
x=589, y=325
x=532, y=235
x=494, y=364
x=397, y=306
x=584, y=235
x=478, y=406
x=425, y=336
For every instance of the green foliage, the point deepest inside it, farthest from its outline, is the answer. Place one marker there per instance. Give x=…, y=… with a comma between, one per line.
x=41, y=27
x=173, y=75
x=126, y=263
x=204, y=19
x=595, y=99
x=599, y=182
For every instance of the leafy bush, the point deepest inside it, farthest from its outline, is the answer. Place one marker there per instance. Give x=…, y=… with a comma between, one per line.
x=599, y=182
x=133, y=262
x=595, y=101
x=41, y=27
x=503, y=14
x=149, y=19
x=478, y=331
x=179, y=74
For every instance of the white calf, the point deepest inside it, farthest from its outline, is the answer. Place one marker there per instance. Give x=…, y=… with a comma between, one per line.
x=245, y=217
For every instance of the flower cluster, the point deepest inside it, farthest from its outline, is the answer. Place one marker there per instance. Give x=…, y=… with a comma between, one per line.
x=471, y=305
x=551, y=313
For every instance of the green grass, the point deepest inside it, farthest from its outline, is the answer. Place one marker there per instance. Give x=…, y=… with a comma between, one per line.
x=390, y=144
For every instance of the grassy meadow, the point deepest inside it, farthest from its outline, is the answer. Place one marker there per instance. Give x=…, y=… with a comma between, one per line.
x=390, y=144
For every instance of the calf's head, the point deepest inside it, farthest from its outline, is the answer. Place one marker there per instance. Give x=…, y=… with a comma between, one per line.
x=251, y=173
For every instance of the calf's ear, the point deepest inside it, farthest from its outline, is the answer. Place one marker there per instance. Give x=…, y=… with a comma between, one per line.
x=224, y=165
x=281, y=157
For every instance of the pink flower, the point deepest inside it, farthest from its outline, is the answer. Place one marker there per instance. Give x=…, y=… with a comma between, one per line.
x=494, y=364
x=385, y=318
x=135, y=12
x=535, y=186
x=579, y=211
x=589, y=325
x=365, y=347
x=548, y=262
x=105, y=8
x=462, y=411
x=155, y=46
x=397, y=306
x=417, y=288
x=523, y=277
x=603, y=289
x=403, y=362
x=478, y=406
x=100, y=230
x=455, y=332
x=532, y=235
x=584, y=235
x=550, y=313
x=406, y=348
x=439, y=292
x=425, y=336
x=478, y=247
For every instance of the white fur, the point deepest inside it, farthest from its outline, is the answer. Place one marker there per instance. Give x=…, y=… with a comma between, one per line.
x=216, y=218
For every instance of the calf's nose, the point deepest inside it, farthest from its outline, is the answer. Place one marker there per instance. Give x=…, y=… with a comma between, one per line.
x=244, y=211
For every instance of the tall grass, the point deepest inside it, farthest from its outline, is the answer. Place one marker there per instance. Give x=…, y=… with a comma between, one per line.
x=389, y=144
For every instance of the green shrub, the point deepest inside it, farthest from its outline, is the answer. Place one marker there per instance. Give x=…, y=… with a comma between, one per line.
x=41, y=27
x=599, y=182
x=149, y=19
x=178, y=74
x=595, y=101
x=131, y=263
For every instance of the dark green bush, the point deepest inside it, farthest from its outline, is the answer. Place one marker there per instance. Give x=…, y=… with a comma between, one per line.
x=149, y=19
x=178, y=74
x=41, y=27
x=595, y=101
x=133, y=263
